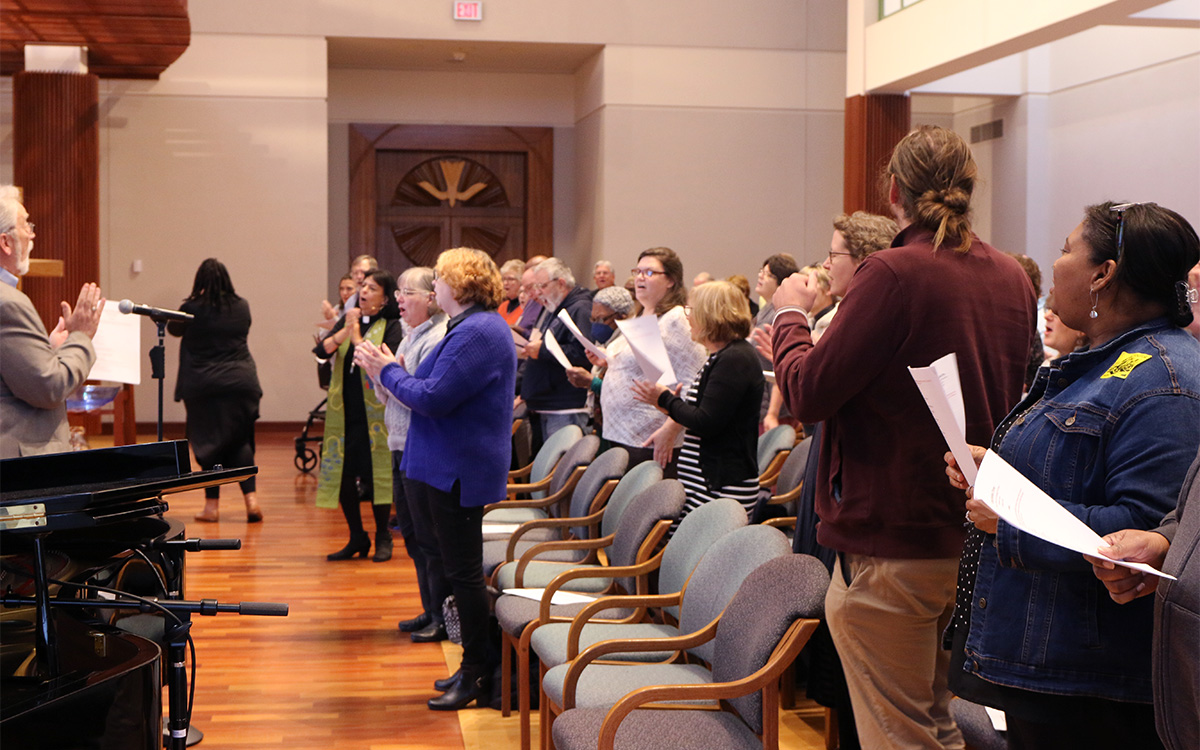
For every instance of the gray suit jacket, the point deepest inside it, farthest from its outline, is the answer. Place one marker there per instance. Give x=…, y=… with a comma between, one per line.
x=35, y=379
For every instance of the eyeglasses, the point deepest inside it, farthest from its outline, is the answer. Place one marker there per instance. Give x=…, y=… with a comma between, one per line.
x=687, y=310
x=406, y=292
x=649, y=273
x=1120, y=210
x=30, y=225
x=838, y=252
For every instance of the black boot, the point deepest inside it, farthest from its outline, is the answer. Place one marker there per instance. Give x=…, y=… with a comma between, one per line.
x=359, y=544
x=446, y=683
x=472, y=684
x=416, y=623
x=383, y=546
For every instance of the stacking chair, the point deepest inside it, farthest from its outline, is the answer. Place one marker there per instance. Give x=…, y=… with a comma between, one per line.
x=644, y=521
x=774, y=612
x=709, y=589
x=538, y=472
x=773, y=447
x=557, y=642
x=582, y=520
x=559, y=484
x=789, y=482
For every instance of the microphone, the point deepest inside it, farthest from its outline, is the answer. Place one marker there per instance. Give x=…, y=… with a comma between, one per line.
x=156, y=313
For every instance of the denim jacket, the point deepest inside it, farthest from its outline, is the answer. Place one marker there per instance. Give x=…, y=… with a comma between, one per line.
x=1109, y=433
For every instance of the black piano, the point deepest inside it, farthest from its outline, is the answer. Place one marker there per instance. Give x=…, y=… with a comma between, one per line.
x=68, y=678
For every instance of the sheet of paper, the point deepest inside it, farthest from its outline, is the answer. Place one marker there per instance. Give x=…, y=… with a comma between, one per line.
x=556, y=351
x=518, y=339
x=645, y=340
x=500, y=528
x=999, y=721
x=578, y=334
x=118, y=345
x=940, y=387
x=1023, y=504
x=559, y=597
x=770, y=376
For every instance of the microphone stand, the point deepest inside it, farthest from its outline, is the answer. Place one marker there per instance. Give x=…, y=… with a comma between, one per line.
x=176, y=637
x=158, y=357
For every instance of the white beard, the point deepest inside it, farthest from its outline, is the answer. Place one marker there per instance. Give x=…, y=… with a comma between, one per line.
x=23, y=251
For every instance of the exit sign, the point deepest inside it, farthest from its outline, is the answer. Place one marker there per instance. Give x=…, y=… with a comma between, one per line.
x=468, y=11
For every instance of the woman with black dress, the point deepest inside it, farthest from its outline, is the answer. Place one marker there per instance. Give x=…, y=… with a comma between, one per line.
x=356, y=464
x=218, y=382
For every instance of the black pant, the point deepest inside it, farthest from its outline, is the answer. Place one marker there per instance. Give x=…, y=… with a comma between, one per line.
x=404, y=519
x=220, y=430
x=456, y=549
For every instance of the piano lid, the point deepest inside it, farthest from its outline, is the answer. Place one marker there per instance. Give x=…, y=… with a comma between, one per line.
x=81, y=489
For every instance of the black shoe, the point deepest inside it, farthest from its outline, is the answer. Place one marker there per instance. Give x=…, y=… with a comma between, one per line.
x=383, y=547
x=431, y=633
x=446, y=683
x=469, y=687
x=416, y=623
x=359, y=544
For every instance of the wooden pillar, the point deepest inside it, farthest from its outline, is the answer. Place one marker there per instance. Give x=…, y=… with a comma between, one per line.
x=875, y=123
x=56, y=161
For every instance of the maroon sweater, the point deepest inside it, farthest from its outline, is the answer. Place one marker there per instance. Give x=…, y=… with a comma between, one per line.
x=882, y=487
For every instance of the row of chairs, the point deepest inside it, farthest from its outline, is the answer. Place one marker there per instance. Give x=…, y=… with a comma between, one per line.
x=597, y=528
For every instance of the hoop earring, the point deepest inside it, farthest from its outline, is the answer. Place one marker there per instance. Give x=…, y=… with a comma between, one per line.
x=1095, y=301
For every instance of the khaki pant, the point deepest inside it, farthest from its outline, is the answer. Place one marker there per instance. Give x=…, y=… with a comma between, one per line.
x=887, y=625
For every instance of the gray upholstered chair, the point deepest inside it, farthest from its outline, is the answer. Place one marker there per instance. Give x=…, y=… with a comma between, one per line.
x=582, y=520
x=539, y=564
x=788, y=484
x=768, y=621
x=976, y=726
x=644, y=521
x=558, y=642
x=560, y=483
x=537, y=474
x=773, y=447
x=709, y=589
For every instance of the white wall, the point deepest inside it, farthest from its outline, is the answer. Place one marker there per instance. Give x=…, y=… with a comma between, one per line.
x=713, y=126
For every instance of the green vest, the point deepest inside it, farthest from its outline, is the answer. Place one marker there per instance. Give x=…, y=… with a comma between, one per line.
x=333, y=449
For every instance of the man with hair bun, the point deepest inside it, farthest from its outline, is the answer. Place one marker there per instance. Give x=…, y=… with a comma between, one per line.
x=881, y=493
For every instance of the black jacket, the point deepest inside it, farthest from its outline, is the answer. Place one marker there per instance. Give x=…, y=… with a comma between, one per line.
x=725, y=415
x=544, y=385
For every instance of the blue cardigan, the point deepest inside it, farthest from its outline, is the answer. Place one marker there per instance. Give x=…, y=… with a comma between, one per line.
x=461, y=397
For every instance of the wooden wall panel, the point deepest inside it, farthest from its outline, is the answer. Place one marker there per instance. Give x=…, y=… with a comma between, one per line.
x=875, y=123
x=56, y=161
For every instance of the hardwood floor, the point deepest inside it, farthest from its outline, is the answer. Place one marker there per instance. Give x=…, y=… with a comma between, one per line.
x=335, y=673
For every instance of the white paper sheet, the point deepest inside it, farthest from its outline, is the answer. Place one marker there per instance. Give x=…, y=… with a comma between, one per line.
x=500, y=528
x=645, y=340
x=578, y=334
x=118, y=345
x=559, y=597
x=942, y=391
x=999, y=720
x=556, y=351
x=1023, y=504
x=770, y=376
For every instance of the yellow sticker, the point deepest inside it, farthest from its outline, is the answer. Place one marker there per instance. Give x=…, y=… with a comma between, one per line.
x=1124, y=365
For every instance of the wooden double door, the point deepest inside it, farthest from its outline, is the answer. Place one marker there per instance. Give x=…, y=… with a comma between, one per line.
x=416, y=191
